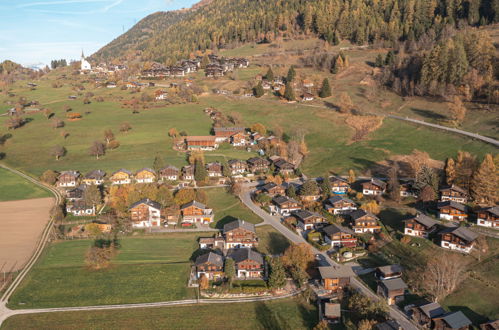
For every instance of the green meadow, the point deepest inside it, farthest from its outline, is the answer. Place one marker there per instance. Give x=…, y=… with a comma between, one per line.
x=14, y=187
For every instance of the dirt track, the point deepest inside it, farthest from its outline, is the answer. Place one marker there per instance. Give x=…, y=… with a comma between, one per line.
x=21, y=223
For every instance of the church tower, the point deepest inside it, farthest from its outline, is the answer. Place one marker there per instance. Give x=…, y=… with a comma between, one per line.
x=85, y=65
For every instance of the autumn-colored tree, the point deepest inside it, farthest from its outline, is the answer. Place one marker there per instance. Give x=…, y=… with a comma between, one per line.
x=393, y=183
x=417, y=159
x=371, y=206
x=258, y=127
x=465, y=166
x=99, y=258
x=322, y=325
x=58, y=152
x=299, y=256
x=485, y=182
x=92, y=195
x=114, y=144
x=450, y=171
x=204, y=282
x=196, y=156
x=125, y=127
x=345, y=104
x=165, y=196
x=351, y=176
x=172, y=132
x=457, y=110
x=108, y=135
x=97, y=149
x=184, y=196
x=57, y=213
x=49, y=177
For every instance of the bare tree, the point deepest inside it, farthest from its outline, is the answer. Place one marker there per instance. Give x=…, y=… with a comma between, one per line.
x=108, y=135
x=125, y=127
x=97, y=149
x=443, y=274
x=58, y=152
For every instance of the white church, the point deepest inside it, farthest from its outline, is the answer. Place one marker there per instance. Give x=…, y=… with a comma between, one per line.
x=85, y=66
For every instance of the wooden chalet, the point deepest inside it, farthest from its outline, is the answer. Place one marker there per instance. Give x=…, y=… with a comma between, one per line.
x=201, y=142
x=239, y=139
x=453, y=193
x=334, y=278
x=214, y=169
x=307, y=97
x=458, y=238
x=285, y=205
x=423, y=314
x=393, y=290
x=451, y=321
x=76, y=193
x=258, y=165
x=488, y=217
x=188, y=173
x=272, y=189
x=214, y=71
x=340, y=205
x=169, y=173
x=452, y=211
x=195, y=212
x=407, y=189
x=240, y=234
x=237, y=167
x=210, y=265
x=364, y=222
x=121, y=176
x=249, y=263
x=388, y=272
x=224, y=133
x=420, y=226
x=374, y=187
x=339, y=186
x=145, y=175
x=308, y=220
x=95, y=177
x=79, y=208
x=339, y=236
x=283, y=167
x=492, y=325
x=212, y=243
x=145, y=213
x=68, y=179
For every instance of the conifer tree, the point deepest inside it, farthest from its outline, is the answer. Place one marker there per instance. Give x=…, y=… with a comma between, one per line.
x=325, y=89
x=291, y=191
x=258, y=90
x=277, y=278
x=200, y=172
x=450, y=171
x=158, y=163
x=291, y=74
x=485, y=182
x=379, y=61
x=289, y=93
x=269, y=75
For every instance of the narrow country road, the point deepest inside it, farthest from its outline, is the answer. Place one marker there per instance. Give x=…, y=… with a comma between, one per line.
x=274, y=221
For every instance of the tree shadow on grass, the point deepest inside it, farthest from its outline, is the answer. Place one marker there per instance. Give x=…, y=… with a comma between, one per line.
x=428, y=114
x=393, y=219
x=277, y=243
x=225, y=220
x=269, y=319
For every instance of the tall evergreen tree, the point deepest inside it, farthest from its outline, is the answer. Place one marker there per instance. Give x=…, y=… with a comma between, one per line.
x=258, y=90
x=270, y=74
x=158, y=163
x=325, y=89
x=277, y=278
x=485, y=182
x=229, y=270
x=200, y=172
x=289, y=93
x=291, y=74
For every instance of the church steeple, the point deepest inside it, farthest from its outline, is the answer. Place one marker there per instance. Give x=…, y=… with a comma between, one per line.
x=82, y=55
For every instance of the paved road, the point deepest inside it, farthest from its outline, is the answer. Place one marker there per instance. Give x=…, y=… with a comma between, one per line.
x=395, y=313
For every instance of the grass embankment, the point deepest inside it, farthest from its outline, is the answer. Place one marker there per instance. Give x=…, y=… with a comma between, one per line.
x=146, y=269
x=282, y=314
x=14, y=187
x=228, y=207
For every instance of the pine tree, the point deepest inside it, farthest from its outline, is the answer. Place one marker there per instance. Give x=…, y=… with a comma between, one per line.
x=390, y=58
x=205, y=61
x=277, y=278
x=229, y=270
x=485, y=182
x=325, y=89
x=258, y=90
x=291, y=74
x=450, y=171
x=289, y=93
x=291, y=191
x=269, y=75
x=158, y=163
x=326, y=186
x=379, y=61
x=200, y=172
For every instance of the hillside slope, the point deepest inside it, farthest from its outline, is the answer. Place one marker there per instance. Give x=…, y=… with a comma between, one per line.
x=222, y=23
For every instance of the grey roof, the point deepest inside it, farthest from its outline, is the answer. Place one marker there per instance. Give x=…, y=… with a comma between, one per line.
x=456, y=320
x=304, y=214
x=334, y=228
x=378, y=183
x=281, y=163
x=195, y=203
x=95, y=174
x=210, y=257
x=332, y=310
x=282, y=199
x=455, y=188
x=146, y=169
x=169, y=167
x=268, y=186
x=239, y=255
x=335, y=199
x=337, y=178
x=388, y=325
x=432, y=309
x=123, y=170
x=394, y=284
x=257, y=159
x=424, y=220
x=455, y=205
x=390, y=269
x=239, y=224
x=461, y=232
x=335, y=272
x=493, y=210
x=148, y=202
x=72, y=173
x=81, y=205
x=228, y=129
x=360, y=213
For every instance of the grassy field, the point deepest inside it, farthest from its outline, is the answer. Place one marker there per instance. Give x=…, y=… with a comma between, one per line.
x=227, y=208
x=282, y=314
x=146, y=269
x=271, y=241
x=13, y=187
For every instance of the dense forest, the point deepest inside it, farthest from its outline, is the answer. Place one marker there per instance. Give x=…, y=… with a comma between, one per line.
x=167, y=37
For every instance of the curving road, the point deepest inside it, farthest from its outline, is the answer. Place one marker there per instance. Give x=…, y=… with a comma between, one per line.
x=275, y=222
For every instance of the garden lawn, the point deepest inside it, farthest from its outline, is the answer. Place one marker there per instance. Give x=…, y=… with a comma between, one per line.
x=14, y=187
x=228, y=207
x=146, y=269
x=279, y=314
x=271, y=241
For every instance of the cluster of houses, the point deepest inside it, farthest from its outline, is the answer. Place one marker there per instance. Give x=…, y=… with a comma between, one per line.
x=360, y=221
x=216, y=68
x=278, y=85
x=101, y=68
x=238, y=240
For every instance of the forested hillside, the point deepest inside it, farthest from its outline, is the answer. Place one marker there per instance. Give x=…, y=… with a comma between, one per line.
x=166, y=37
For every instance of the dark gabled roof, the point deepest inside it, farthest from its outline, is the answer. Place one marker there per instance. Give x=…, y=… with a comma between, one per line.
x=122, y=170
x=281, y=163
x=235, y=161
x=455, y=205
x=335, y=272
x=81, y=205
x=388, y=325
x=239, y=255
x=377, y=182
x=239, y=224
x=257, y=159
x=148, y=202
x=268, y=186
x=456, y=320
x=335, y=199
x=169, y=167
x=337, y=178
x=305, y=214
x=390, y=269
x=394, y=284
x=193, y=203
x=95, y=174
x=455, y=188
x=72, y=173
x=210, y=257
x=432, y=309
x=461, y=232
x=424, y=220
x=360, y=213
x=493, y=210
x=283, y=199
x=334, y=228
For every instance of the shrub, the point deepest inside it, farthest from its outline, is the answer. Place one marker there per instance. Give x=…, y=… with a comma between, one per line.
x=114, y=144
